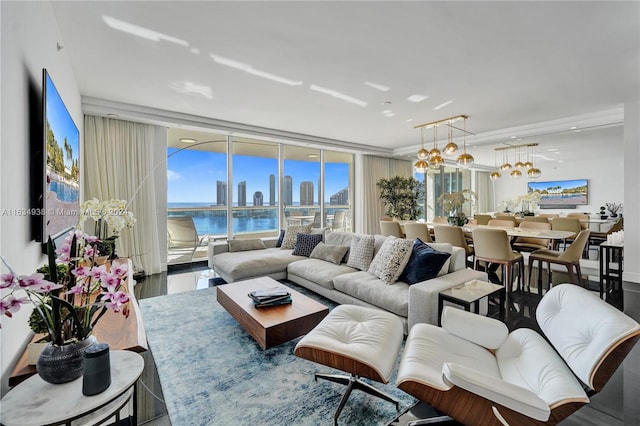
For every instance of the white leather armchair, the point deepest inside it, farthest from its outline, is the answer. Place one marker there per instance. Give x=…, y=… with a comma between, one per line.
x=475, y=371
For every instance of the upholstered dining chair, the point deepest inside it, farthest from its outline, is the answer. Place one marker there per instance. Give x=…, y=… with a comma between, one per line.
x=570, y=224
x=535, y=219
x=482, y=219
x=417, y=230
x=502, y=223
x=454, y=235
x=570, y=258
x=476, y=372
x=549, y=215
x=528, y=244
x=492, y=246
x=503, y=215
x=440, y=219
x=391, y=227
x=582, y=217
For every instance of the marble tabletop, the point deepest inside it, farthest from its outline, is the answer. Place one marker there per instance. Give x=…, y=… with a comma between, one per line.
x=36, y=402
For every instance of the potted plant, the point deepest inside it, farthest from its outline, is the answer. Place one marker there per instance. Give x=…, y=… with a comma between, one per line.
x=401, y=197
x=452, y=203
x=613, y=208
x=603, y=212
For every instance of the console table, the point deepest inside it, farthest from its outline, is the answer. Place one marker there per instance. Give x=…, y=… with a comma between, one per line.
x=36, y=402
x=118, y=331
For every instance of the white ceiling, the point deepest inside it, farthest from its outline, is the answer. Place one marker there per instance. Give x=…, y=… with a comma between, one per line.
x=507, y=65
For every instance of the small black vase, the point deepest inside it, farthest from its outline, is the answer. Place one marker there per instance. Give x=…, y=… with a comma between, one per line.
x=62, y=364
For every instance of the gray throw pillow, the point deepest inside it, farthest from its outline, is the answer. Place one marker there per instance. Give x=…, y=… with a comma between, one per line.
x=244, y=245
x=330, y=253
x=291, y=234
x=391, y=259
x=361, y=251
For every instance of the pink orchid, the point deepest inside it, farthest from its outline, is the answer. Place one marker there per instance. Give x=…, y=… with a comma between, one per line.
x=120, y=270
x=81, y=271
x=115, y=300
x=97, y=272
x=11, y=304
x=91, y=239
x=76, y=289
x=110, y=280
x=7, y=280
x=33, y=280
x=89, y=252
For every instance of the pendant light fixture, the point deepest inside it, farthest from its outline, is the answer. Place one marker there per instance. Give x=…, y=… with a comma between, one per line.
x=495, y=175
x=514, y=172
x=423, y=154
x=451, y=147
x=465, y=160
x=506, y=165
x=435, y=159
x=421, y=165
x=519, y=164
x=534, y=172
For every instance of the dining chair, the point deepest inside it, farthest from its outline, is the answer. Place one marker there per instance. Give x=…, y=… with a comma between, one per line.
x=570, y=258
x=454, y=235
x=440, y=219
x=417, y=230
x=391, y=227
x=528, y=244
x=535, y=219
x=570, y=224
x=582, y=217
x=502, y=223
x=549, y=215
x=482, y=219
x=492, y=246
x=503, y=215
x=386, y=218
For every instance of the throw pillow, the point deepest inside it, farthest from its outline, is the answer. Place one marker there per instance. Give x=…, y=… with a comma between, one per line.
x=424, y=263
x=291, y=233
x=244, y=245
x=361, y=251
x=330, y=253
x=305, y=243
x=280, y=238
x=391, y=259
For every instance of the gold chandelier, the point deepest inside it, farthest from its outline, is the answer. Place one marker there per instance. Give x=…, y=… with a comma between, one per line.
x=433, y=158
x=515, y=171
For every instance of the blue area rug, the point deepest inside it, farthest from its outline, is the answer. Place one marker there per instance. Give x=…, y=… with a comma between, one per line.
x=213, y=373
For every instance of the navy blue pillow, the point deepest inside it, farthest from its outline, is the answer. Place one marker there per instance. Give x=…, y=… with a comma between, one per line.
x=280, y=238
x=424, y=263
x=305, y=243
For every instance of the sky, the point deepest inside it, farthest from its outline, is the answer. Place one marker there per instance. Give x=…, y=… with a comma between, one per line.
x=61, y=122
x=192, y=176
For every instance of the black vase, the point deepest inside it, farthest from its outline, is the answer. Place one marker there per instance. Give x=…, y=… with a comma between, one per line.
x=62, y=364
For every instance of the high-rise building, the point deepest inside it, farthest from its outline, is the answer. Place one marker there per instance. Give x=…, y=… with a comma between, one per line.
x=306, y=193
x=287, y=197
x=272, y=189
x=242, y=193
x=257, y=198
x=221, y=193
x=340, y=198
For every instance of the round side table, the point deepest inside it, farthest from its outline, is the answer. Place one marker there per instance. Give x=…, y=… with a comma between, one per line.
x=36, y=402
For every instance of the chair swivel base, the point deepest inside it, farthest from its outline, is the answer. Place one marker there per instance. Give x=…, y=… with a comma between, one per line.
x=353, y=382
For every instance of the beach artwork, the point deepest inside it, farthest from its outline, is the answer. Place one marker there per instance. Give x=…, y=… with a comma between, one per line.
x=561, y=192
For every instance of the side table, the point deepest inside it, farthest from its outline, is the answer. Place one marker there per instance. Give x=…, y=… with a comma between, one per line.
x=470, y=293
x=611, y=267
x=36, y=402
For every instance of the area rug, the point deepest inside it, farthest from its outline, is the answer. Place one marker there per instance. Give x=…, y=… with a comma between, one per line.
x=213, y=373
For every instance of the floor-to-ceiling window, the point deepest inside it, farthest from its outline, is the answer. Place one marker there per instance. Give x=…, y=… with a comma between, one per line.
x=338, y=177
x=301, y=183
x=440, y=181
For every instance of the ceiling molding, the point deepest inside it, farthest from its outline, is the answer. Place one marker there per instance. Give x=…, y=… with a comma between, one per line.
x=160, y=117
x=605, y=118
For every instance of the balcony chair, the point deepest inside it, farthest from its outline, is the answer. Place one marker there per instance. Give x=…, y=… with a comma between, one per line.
x=319, y=220
x=182, y=236
x=338, y=223
x=417, y=230
x=482, y=219
x=475, y=372
x=454, y=235
x=391, y=227
x=528, y=244
x=570, y=258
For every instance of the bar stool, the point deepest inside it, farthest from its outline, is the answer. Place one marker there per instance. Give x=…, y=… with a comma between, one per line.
x=492, y=245
x=570, y=258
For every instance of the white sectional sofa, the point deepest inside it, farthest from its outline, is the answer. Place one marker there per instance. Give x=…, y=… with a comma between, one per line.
x=416, y=303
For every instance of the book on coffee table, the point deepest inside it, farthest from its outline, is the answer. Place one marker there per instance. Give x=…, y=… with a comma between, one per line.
x=271, y=296
x=281, y=301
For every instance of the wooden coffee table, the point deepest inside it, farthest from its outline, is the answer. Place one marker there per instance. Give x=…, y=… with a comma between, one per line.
x=272, y=325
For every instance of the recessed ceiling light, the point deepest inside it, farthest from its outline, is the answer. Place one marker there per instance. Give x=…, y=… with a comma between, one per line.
x=377, y=86
x=442, y=105
x=188, y=140
x=112, y=115
x=573, y=128
x=417, y=98
x=312, y=155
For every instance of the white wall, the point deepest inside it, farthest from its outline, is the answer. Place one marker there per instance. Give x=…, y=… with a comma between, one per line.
x=28, y=44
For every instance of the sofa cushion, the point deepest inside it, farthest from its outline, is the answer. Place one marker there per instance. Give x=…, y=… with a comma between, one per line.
x=361, y=251
x=339, y=238
x=254, y=263
x=330, y=253
x=305, y=243
x=371, y=289
x=244, y=245
x=291, y=234
x=424, y=263
x=318, y=271
x=391, y=259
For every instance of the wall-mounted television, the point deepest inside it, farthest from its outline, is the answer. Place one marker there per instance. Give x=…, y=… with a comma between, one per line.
x=61, y=200
x=561, y=193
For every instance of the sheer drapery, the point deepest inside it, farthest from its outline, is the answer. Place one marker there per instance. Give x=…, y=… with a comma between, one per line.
x=118, y=164
x=485, y=190
x=373, y=169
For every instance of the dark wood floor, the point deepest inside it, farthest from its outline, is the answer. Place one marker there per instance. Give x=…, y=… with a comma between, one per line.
x=617, y=404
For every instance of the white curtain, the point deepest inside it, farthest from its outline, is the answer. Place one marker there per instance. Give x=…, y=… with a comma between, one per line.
x=485, y=191
x=373, y=169
x=118, y=164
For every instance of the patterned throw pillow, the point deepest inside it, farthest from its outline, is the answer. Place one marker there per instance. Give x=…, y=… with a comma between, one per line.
x=291, y=233
x=391, y=259
x=425, y=263
x=361, y=251
x=305, y=243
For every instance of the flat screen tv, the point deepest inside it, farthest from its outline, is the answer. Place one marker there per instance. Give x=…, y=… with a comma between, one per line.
x=61, y=200
x=561, y=193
